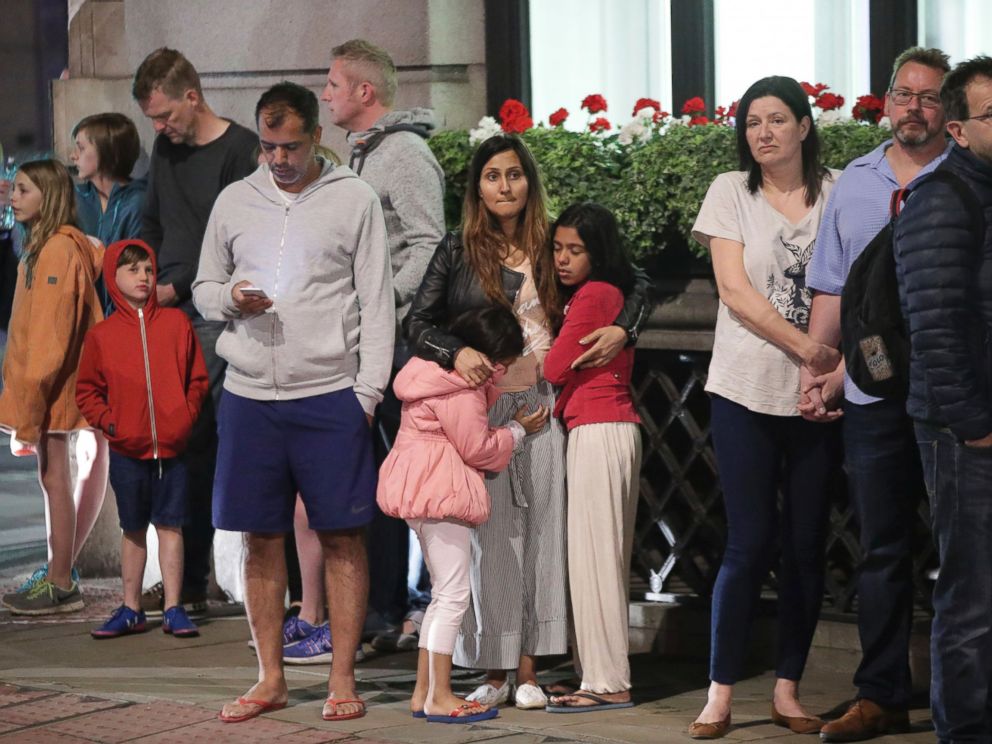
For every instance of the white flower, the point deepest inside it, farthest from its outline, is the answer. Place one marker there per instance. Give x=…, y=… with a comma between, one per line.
x=645, y=115
x=826, y=118
x=488, y=127
x=885, y=123
x=634, y=131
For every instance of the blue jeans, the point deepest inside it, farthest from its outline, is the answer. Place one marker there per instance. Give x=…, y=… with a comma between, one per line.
x=885, y=484
x=959, y=482
x=757, y=455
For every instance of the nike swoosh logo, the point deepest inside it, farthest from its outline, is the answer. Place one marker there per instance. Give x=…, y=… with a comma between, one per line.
x=359, y=509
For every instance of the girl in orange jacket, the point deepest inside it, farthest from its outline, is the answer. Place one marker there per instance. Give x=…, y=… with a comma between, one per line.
x=55, y=303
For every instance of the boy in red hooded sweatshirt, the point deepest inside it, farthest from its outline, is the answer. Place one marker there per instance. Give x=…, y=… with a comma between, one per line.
x=141, y=381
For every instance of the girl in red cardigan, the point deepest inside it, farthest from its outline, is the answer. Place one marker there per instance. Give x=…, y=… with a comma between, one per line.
x=604, y=455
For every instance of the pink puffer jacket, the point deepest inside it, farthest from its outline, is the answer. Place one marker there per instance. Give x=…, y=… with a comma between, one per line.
x=444, y=442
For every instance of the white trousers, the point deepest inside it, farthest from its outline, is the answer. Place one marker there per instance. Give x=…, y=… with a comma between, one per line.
x=604, y=462
x=447, y=548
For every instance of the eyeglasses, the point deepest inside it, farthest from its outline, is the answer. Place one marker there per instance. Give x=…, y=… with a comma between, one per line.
x=980, y=117
x=902, y=97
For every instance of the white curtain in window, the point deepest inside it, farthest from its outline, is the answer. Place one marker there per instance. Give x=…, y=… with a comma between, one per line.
x=620, y=50
x=959, y=27
x=817, y=41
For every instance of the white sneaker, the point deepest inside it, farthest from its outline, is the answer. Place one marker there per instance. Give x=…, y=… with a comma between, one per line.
x=529, y=697
x=490, y=696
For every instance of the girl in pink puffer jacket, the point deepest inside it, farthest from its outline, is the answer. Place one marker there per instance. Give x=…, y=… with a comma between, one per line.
x=432, y=478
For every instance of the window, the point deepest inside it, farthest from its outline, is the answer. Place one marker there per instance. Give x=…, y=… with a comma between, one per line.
x=817, y=41
x=620, y=50
x=959, y=27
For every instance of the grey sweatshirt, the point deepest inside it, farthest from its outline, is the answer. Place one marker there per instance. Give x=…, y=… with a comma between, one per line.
x=410, y=184
x=322, y=259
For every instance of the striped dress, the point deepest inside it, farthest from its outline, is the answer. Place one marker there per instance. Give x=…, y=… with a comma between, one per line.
x=518, y=575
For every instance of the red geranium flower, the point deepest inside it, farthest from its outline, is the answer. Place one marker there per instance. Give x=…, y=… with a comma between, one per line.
x=600, y=125
x=514, y=116
x=732, y=111
x=695, y=121
x=660, y=116
x=868, y=108
x=694, y=106
x=643, y=103
x=594, y=103
x=814, y=90
x=558, y=117
x=829, y=101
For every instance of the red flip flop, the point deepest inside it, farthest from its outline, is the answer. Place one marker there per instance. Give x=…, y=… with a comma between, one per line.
x=335, y=702
x=263, y=706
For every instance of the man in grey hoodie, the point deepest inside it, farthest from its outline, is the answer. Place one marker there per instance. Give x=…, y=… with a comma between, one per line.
x=295, y=260
x=390, y=153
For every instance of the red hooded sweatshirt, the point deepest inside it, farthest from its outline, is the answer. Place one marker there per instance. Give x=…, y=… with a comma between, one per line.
x=141, y=378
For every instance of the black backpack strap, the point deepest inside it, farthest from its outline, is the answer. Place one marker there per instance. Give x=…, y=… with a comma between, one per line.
x=366, y=145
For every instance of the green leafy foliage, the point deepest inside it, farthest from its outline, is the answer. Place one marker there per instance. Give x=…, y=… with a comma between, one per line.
x=655, y=188
x=843, y=142
x=576, y=166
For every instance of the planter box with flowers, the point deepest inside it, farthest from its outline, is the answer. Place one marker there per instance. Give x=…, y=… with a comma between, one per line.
x=654, y=170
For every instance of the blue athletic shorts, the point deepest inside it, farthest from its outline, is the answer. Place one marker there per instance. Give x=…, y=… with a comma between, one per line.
x=319, y=447
x=147, y=495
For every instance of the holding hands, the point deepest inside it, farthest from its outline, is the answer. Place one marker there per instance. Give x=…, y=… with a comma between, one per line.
x=821, y=384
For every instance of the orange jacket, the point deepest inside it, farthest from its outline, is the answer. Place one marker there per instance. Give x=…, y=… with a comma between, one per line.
x=45, y=338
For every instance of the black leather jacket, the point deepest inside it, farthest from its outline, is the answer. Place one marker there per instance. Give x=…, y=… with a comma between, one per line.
x=451, y=287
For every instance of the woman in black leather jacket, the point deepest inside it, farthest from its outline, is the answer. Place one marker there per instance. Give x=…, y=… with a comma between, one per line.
x=502, y=256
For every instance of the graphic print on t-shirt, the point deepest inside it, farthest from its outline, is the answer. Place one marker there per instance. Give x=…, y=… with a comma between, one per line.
x=791, y=297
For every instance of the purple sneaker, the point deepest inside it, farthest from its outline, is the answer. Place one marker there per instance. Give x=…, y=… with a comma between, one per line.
x=176, y=622
x=124, y=621
x=316, y=648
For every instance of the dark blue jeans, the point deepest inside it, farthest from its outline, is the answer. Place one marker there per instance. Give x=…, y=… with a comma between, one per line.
x=201, y=460
x=756, y=455
x=885, y=485
x=959, y=483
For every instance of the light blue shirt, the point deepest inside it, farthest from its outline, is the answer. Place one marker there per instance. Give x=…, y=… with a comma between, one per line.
x=858, y=209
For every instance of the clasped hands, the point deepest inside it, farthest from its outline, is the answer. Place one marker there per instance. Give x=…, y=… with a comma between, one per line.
x=821, y=383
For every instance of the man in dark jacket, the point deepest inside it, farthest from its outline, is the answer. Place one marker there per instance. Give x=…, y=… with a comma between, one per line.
x=944, y=259
x=195, y=155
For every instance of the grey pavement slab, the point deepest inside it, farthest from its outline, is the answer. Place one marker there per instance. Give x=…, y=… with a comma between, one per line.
x=92, y=690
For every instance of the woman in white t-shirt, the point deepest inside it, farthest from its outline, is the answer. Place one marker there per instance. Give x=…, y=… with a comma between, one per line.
x=760, y=225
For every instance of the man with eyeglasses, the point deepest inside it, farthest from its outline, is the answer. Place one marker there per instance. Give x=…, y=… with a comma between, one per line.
x=943, y=254
x=885, y=480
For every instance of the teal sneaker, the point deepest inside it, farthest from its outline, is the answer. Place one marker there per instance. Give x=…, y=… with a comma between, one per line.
x=44, y=598
x=39, y=575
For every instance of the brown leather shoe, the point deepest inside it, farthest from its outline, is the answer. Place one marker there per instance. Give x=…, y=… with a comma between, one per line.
x=797, y=724
x=865, y=720
x=715, y=730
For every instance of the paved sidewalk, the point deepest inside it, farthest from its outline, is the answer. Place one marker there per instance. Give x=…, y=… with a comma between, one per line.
x=58, y=685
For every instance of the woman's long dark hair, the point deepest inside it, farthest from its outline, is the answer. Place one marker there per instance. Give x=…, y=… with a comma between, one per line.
x=598, y=229
x=791, y=93
x=485, y=244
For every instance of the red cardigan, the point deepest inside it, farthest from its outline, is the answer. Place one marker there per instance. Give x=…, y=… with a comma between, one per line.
x=117, y=391
x=590, y=396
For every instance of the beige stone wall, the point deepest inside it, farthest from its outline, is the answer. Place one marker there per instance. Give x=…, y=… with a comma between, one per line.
x=240, y=47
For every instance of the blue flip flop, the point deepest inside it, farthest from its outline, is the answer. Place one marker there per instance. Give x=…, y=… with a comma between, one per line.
x=598, y=704
x=418, y=714
x=453, y=717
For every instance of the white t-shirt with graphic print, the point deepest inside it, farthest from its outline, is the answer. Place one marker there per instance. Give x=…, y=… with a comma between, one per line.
x=746, y=368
